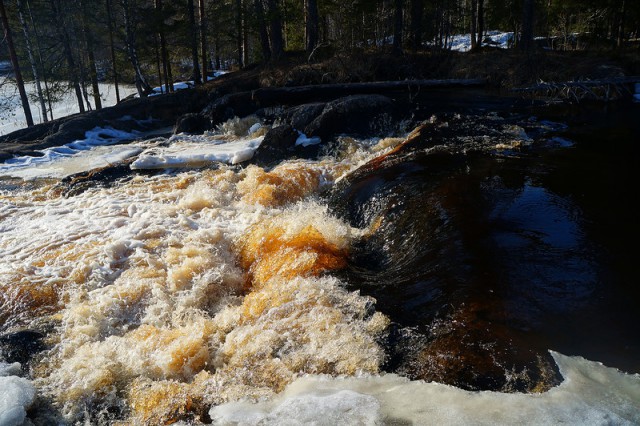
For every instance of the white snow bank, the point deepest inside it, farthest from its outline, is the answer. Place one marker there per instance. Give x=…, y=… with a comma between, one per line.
x=16, y=395
x=196, y=151
x=591, y=394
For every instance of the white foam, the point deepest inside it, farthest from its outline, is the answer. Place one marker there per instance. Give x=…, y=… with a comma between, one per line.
x=188, y=151
x=16, y=395
x=591, y=394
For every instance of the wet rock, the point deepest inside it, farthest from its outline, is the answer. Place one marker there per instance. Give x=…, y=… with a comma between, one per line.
x=302, y=115
x=21, y=346
x=192, y=123
x=229, y=106
x=357, y=115
x=73, y=129
x=101, y=177
x=278, y=144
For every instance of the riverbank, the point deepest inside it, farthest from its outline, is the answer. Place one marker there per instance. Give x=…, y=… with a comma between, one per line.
x=231, y=94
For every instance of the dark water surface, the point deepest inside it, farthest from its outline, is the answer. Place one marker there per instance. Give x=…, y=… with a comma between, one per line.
x=486, y=260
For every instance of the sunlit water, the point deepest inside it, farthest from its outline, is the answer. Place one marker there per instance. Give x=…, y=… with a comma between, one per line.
x=331, y=291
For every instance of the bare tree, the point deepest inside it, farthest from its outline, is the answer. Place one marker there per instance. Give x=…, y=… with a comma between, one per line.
x=112, y=48
x=88, y=38
x=417, y=12
x=397, y=26
x=166, y=64
x=275, y=29
x=130, y=40
x=32, y=61
x=311, y=27
x=15, y=64
x=194, y=41
x=65, y=39
x=262, y=29
x=203, y=38
x=526, y=37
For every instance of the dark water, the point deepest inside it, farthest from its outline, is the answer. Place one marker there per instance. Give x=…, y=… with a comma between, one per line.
x=487, y=259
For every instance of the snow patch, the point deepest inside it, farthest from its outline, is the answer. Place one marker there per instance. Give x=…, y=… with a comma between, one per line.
x=305, y=141
x=196, y=151
x=16, y=395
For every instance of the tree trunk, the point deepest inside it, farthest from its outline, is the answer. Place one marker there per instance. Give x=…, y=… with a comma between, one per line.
x=245, y=36
x=481, y=22
x=262, y=29
x=166, y=64
x=40, y=61
x=474, y=22
x=397, y=27
x=526, y=39
x=32, y=61
x=203, y=39
x=623, y=12
x=68, y=53
x=16, y=66
x=130, y=40
x=239, y=43
x=161, y=82
x=275, y=26
x=311, y=27
x=417, y=12
x=93, y=73
x=194, y=41
x=113, y=50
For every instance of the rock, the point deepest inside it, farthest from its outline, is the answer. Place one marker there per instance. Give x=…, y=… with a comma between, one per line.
x=355, y=115
x=302, y=115
x=229, y=106
x=278, y=143
x=192, y=123
x=73, y=129
x=20, y=346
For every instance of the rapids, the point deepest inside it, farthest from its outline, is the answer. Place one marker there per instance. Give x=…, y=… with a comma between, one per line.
x=329, y=290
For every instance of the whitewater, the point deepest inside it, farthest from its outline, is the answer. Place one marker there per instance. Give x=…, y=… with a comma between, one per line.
x=203, y=289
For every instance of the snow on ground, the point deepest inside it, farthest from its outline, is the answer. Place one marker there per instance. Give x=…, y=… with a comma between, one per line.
x=462, y=42
x=636, y=97
x=181, y=85
x=12, y=115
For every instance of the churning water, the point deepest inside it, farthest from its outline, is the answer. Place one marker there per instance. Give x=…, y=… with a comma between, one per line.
x=437, y=278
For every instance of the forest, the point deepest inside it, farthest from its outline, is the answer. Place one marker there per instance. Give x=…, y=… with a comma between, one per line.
x=158, y=42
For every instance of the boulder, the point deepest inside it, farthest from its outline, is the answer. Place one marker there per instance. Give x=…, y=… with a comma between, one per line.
x=356, y=115
x=278, y=143
x=302, y=115
x=192, y=123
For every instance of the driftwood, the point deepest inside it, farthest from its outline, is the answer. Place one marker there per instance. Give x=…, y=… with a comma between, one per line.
x=576, y=91
x=270, y=96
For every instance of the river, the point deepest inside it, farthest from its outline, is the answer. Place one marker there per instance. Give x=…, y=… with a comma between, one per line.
x=478, y=270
